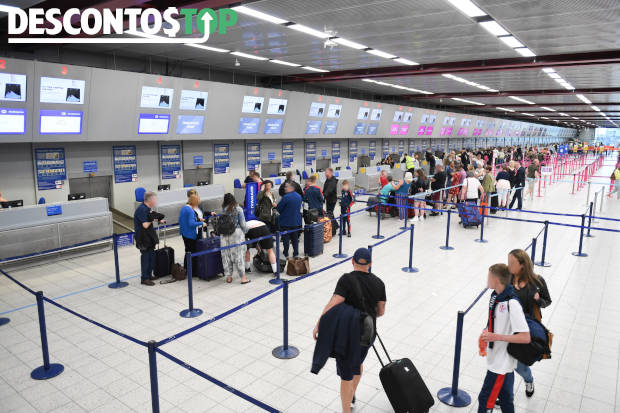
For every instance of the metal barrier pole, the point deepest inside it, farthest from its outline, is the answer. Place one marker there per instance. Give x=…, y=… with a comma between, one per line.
x=118, y=283
x=588, y=235
x=588, y=196
x=447, y=247
x=370, y=250
x=595, y=205
x=602, y=198
x=410, y=268
x=533, y=254
x=47, y=370
x=340, y=254
x=379, y=211
x=4, y=320
x=285, y=351
x=583, y=224
x=191, y=312
x=277, y=280
x=406, y=212
x=452, y=396
x=542, y=262
x=153, y=373
x=481, y=239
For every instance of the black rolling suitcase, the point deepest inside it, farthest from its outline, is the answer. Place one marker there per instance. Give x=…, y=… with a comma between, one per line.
x=207, y=266
x=494, y=202
x=164, y=258
x=313, y=239
x=403, y=385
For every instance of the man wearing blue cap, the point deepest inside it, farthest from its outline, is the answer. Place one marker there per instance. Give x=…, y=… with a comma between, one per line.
x=364, y=291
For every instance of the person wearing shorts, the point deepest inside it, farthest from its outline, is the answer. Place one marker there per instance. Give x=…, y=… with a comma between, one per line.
x=258, y=229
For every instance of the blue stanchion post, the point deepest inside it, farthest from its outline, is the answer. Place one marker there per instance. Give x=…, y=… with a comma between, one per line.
x=580, y=253
x=406, y=213
x=379, y=211
x=151, y=345
x=118, y=283
x=47, y=370
x=4, y=320
x=481, y=239
x=285, y=351
x=340, y=254
x=533, y=253
x=410, y=268
x=447, y=247
x=453, y=396
x=191, y=311
x=370, y=250
x=588, y=235
x=277, y=280
x=542, y=262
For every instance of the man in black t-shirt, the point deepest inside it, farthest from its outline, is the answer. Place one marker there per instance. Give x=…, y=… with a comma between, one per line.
x=350, y=289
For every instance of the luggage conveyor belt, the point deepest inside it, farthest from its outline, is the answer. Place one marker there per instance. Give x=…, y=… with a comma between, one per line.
x=122, y=222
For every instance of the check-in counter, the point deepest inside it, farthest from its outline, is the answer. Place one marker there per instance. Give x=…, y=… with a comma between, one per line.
x=170, y=202
x=398, y=172
x=37, y=228
x=342, y=175
x=368, y=177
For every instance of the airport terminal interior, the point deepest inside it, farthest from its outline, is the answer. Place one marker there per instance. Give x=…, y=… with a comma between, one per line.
x=310, y=206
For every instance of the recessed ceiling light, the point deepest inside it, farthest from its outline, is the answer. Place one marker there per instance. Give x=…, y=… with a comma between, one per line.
x=467, y=101
x=406, y=61
x=314, y=69
x=583, y=99
x=381, y=54
x=554, y=75
x=563, y=114
x=548, y=69
x=494, y=28
x=309, y=30
x=282, y=62
x=348, y=43
x=259, y=15
x=209, y=48
x=467, y=7
x=596, y=108
x=549, y=109
x=528, y=114
x=368, y=80
x=567, y=86
x=525, y=52
x=505, y=109
x=511, y=41
x=521, y=100
x=248, y=56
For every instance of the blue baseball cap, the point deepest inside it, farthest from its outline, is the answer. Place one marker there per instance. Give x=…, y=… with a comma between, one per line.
x=362, y=256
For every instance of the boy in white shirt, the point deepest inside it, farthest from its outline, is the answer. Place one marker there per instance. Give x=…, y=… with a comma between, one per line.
x=506, y=324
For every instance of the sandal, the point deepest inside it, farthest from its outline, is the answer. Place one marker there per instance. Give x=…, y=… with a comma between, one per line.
x=246, y=281
x=228, y=280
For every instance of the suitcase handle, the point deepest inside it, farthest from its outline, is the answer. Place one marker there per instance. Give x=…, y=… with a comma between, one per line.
x=384, y=350
x=159, y=233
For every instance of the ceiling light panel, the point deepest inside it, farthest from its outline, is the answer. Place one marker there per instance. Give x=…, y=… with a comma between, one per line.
x=248, y=56
x=406, y=62
x=504, y=109
x=494, y=28
x=525, y=52
x=282, y=62
x=259, y=15
x=468, y=7
x=511, y=41
x=348, y=43
x=521, y=100
x=309, y=30
x=381, y=54
x=467, y=101
x=209, y=48
x=314, y=69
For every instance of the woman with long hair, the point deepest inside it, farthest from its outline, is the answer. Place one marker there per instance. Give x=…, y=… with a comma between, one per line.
x=266, y=204
x=532, y=292
x=418, y=191
x=455, y=190
x=234, y=258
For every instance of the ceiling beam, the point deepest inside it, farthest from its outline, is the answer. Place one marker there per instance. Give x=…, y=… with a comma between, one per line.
x=469, y=66
x=525, y=105
x=567, y=111
x=505, y=93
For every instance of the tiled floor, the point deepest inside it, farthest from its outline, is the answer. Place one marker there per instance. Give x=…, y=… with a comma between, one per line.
x=107, y=373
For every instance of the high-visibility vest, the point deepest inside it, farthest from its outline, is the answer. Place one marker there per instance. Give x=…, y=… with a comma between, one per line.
x=409, y=162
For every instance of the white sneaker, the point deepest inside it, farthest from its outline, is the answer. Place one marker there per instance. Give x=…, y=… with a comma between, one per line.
x=421, y=217
x=414, y=219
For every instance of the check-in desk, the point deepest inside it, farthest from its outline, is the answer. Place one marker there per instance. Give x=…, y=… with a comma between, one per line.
x=398, y=172
x=170, y=202
x=368, y=177
x=38, y=228
x=342, y=175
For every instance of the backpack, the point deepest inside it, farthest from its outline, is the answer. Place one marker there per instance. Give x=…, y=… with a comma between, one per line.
x=225, y=224
x=538, y=348
x=261, y=263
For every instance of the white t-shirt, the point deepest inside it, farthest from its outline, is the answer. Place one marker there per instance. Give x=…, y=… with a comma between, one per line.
x=472, y=188
x=254, y=223
x=506, y=323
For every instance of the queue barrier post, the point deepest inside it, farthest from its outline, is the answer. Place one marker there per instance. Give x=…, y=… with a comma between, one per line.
x=190, y=312
x=285, y=351
x=533, y=254
x=453, y=396
x=410, y=268
x=588, y=235
x=602, y=199
x=406, y=209
x=340, y=254
x=379, y=211
x=481, y=239
x=4, y=320
x=277, y=280
x=447, y=247
x=588, y=196
x=542, y=262
x=580, y=253
x=594, y=209
x=370, y=251
x=118, y=283
x=47, y=370
x=151, y=346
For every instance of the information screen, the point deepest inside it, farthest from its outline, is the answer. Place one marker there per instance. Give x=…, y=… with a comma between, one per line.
x=273, y=126
x=331, y=126
x=54, y=90
x=317, y=109
x=54, y=122
x=193, y=100
x=376, y=114
x=150, y=123
x=313, y=127
x=249, y=125
x=12, y=121
x=408, y=117
x=334, y=111
x=190, y=125
x=12, y=87
x=156, y=97
x=252, y=104
x=398, y=116
x=363, y=113
x=277, y=106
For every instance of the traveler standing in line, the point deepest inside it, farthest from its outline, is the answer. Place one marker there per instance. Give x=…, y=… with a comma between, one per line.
x=533, y=173
x=430, y=158
x=438, y=182
x=365, y=292
x=199, y=212
x=296, y=186
x=488, y=183
x=533, y=294
x=418, y=191
x=189, y=224
x=503, y=327
x=314, y=196
x=330, y=191
x=146, y=237
x=233, y=258
x=289, y=208
x=383, y=181
x=503, y=186
x=615, y=179
x=472, y=189
x=519, y=185
x=258, y=229
x=265, y=204
x=346, y=201
x=402, y=196
x=455, y=190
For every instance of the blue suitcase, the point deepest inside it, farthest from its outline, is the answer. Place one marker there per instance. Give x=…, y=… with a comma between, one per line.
x=313, y=239
x=470, y=214
x=207, y=266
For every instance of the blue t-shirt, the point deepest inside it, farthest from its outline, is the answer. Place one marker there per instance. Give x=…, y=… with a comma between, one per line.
x=140, y=216
x=385, y=191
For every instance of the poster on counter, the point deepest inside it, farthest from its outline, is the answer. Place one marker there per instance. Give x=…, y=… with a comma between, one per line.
x=401, y=147
x=386, y=148
x=372, y=149
x=352, y=151
x=51, y=168
x=335, y=152
x=170, y=161
x=310, y=153
x=221, y=158
x=288, y=154
x=252, y=156
x=125, y=164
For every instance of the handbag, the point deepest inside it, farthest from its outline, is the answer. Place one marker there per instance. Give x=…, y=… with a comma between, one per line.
x=298, y=266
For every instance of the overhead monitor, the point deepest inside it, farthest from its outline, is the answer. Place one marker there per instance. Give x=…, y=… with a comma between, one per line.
x=252, y=104
x=156, y=97
x=12, y=87
x=408, y=117
x=248, y=125
x=376, y=114
x=151, y=123
x=60, y=122
x=273, y=126
x=363, y=113
x=317, y=109
x=12, y=121
x=190, y=125
x=277, y=106
x=193, y=100
x=398, y=116
x=313, y=127
x=55, y=90
x=334, y=111
x=331, y=126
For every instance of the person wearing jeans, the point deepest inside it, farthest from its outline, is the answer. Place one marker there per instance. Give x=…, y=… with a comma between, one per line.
x=289, y=208
x=146, y=237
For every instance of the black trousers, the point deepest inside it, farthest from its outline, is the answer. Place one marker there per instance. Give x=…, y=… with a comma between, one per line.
x=517, y=196
x=329, y=206
x=190, y=246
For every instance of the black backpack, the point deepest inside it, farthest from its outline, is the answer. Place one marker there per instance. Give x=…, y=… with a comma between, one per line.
x=538, y=348
x=225, y=224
